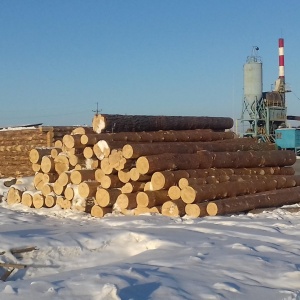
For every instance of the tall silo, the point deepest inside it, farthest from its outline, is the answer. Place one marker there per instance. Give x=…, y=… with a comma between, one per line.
x=253, y=86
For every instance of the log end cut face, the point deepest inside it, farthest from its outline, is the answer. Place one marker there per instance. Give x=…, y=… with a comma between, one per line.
x=142, y=165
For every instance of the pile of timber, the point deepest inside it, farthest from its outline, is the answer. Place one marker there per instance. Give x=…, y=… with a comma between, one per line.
x=194, y=172
x=15, y=144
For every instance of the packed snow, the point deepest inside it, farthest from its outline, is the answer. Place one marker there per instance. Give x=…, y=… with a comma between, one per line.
x=76, y=256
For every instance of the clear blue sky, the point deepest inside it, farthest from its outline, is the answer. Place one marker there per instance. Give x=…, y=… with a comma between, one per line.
x=58, y=58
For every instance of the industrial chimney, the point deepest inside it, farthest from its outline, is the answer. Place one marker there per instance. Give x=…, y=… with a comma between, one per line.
x=280, y=82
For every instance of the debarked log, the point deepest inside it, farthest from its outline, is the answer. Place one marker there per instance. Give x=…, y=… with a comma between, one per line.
x=121, y=123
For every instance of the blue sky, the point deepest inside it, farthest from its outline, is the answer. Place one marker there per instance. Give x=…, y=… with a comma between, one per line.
x=58, y=58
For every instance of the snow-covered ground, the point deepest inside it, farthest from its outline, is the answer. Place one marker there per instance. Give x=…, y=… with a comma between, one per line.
x=253, y=256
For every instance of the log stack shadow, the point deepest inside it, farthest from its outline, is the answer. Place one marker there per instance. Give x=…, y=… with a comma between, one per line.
x=195, y=172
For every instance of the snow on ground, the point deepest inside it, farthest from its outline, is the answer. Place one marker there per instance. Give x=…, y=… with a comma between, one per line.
x=254, y=256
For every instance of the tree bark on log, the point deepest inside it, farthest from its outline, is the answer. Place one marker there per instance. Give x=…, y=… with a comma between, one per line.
x=88, y=189
x=27, y=199
x=151, y=198
x=121, y=123
x=107, y=198
x=200, y=193
x=78, y=176
x=173, y=208
x=196, y=135
x=126, y=201
x=143, y=149
x=196, y=210
x=131, y=187
x=245, y=203
x=99, y=212
x=36, y=155
x=206, y=159
x=111, y=181
x=248, y=159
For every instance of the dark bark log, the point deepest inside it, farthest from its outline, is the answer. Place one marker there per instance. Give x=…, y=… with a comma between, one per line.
x=249, y=159
x=121, y=123
x=245, y=203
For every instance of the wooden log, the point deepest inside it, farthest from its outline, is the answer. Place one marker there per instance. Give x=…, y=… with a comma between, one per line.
x=174, y=192
x=248, y=159
x=92, y=163
x=284, y=171
x=47, y=189
x=36, y=167
x=50, y=200
x=131, y=187
x=245, y=203
x=173, y=208
x=61, y=164
x=174, y=161
x=27, y=198
x=107, y=198
x=103, y=148
x=99, y=212
x=196, y=210
x=165, y=179
x=88, y=152
x=50, y=177
x=148, y=186
x=72, y=141
x=58, y=144
x=152, y=198
x=99, y=174
x=38, y=200
x=38, y=180
x=106, y=167
x=71, y=192
x=124, y=176
x=13, y=196
x=111, y=181
x=127, y=201
x=135, y=175
x=157, y=136
x=82, y=130
x=58, y=188
x=88, y=189
x=35, y=155
x=64, y=178
x=47, y=164
x=184, y=182
x=78, y=176
x=55, y=151
x=143, y=149
x=60, y=201
x=75, y=159
x=121, y=123
x=201, y=193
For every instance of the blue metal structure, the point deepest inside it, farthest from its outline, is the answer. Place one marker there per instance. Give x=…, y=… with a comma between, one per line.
x=288, y=138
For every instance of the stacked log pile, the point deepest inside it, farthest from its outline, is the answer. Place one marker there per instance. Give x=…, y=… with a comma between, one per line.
x=194, y=172
x=15, y=144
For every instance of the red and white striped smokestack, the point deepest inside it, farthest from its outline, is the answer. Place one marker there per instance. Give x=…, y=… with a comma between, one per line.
x=281, y=59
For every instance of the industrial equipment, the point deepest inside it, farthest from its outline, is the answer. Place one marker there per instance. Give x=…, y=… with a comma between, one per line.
x=288, y=139
x=263, y=112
